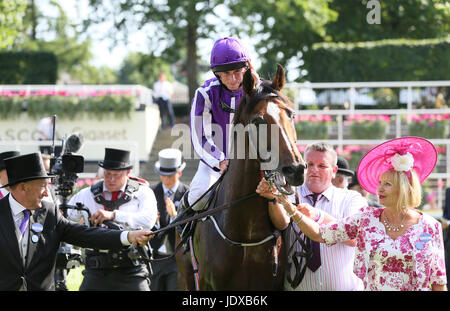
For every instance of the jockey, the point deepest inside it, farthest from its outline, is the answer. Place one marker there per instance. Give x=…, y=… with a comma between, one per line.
x=212, y=113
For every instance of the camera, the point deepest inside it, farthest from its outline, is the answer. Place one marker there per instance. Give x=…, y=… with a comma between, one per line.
x=66, y=166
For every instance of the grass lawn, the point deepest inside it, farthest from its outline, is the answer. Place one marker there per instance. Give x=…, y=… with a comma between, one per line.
x=74, y=278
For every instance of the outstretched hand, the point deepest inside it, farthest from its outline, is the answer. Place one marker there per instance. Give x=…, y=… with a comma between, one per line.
x=140, y=237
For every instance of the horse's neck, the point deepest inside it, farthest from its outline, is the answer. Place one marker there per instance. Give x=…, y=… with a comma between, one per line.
x=244, y=176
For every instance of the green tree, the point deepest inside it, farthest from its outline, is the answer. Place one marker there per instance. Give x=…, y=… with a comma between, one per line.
x=73, y=53
x=177, y=25
x=412, y=19
x=143, y=69
x=11, y=17
x=286, y=27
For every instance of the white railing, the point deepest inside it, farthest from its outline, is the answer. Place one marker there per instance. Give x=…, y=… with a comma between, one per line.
x=143, y=93
x=356, y=92
x=343, y=140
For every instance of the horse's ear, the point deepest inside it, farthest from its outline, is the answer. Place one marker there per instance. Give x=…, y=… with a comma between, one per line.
x=279, y=80
x=248, y=82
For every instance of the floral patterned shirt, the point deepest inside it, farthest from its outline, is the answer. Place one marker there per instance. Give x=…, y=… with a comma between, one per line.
x=413, y=261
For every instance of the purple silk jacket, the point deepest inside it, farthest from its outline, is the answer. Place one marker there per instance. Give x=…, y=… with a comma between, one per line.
x=208, y=121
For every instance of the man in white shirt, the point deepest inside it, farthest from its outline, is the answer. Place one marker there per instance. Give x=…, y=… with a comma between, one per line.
x=162, y=92
x=126, y=202
x=329, y=268
x=45, y=132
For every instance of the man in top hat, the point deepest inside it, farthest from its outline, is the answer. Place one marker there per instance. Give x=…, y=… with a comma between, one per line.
x=3, y=175
x=343, y=174
x=31, y=229
x=125, y=202
x=168, y=194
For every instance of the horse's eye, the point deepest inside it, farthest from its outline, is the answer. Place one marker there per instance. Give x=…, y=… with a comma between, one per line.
x=258, y=120
x=290, y=114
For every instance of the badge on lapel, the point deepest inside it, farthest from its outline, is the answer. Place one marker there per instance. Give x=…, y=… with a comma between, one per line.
x=37, y=229
x=423, y=238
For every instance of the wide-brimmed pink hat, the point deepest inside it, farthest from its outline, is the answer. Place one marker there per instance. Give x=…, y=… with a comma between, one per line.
x=402, y=154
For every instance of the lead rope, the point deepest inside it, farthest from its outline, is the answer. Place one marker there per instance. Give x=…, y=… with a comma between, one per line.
x=194, y=265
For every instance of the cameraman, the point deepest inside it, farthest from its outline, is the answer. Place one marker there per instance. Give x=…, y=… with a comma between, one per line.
x=126, y=202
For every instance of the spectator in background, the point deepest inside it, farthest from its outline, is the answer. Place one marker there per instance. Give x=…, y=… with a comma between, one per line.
x=354, y=185
x=343, y=174
x=168, y=195
x=45, y=132
x=445, y=220
x=162, y=92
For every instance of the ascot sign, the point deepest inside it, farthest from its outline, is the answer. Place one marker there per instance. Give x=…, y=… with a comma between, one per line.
x=139, y=130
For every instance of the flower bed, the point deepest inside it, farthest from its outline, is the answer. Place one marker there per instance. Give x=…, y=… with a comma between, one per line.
x=312, y=127
x=353, y=154
x=67, y=105
x=368, y=126
x=429, y=125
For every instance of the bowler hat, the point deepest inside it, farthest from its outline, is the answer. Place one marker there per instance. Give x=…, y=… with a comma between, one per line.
x=25, y=168
x=343, y=167
x=169, y=162
x=116, y=159
x=6, y=155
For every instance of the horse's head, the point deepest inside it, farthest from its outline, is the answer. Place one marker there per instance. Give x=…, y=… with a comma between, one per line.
x=269, y=116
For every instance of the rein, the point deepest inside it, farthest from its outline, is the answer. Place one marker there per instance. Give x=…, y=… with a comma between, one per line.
x=270, y=176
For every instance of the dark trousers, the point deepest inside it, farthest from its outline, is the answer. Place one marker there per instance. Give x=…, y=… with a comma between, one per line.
x=164, y=276
x=116, y=279
x=166, y=109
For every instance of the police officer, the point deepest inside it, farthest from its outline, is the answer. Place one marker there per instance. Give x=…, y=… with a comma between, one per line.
x=168, y=194
x=125, y=202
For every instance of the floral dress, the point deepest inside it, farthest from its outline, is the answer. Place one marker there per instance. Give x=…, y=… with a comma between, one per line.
x=411, y=262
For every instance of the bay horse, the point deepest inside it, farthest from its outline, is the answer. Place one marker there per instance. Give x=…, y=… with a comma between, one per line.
x=235, y=249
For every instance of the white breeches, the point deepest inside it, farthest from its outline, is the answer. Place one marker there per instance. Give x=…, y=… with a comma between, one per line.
x=204, y=178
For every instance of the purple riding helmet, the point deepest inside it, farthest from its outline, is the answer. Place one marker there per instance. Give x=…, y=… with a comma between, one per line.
x=228, y=54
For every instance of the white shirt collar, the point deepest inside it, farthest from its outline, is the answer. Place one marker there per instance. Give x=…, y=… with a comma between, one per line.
x=16, y=207
x=174, y=188
x=328, y=193
x=122, y=189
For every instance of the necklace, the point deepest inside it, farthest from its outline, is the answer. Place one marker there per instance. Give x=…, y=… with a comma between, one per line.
x=390, y=227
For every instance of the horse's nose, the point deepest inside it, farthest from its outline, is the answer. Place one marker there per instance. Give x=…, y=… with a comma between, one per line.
x=294, y=174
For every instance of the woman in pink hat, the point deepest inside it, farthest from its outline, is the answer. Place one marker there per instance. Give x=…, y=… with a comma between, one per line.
x=398, y=247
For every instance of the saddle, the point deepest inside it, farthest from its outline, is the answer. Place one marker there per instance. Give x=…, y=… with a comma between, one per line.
x=187, y=230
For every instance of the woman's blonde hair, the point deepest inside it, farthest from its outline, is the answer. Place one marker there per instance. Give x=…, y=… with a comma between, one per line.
x=408, y=188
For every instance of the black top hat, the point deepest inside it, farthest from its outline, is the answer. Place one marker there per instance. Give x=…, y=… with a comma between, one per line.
x=25, y=168
x=343, y=167
x=116, y=159
x=169, y=162
x=6, y=155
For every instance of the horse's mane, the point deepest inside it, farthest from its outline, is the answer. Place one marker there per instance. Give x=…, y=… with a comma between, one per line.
x=263, y=91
